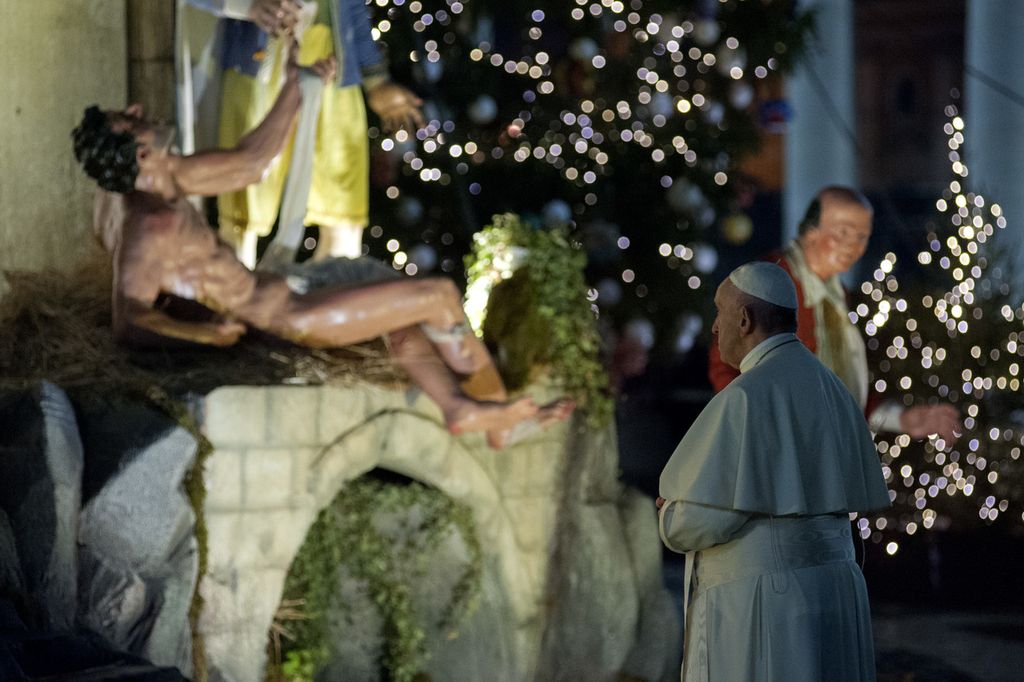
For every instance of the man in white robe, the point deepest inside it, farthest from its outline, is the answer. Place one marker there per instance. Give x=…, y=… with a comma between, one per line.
x=758, y=495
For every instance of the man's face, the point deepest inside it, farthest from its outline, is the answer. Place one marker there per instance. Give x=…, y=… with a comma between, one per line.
x=841, y=237
x=154, y=135
x=726, y=327
x=154, y=147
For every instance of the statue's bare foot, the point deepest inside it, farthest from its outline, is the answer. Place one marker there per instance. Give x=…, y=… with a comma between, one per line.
x=475, y=415
x=552, y=413
x=452, y=345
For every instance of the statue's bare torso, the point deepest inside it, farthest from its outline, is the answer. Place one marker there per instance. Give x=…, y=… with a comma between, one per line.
x=167, y=247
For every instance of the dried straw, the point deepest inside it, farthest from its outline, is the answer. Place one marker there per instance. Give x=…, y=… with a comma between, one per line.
x=56, y=326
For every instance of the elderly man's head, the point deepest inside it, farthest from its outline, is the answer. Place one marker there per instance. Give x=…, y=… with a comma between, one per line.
x=121, y=150
x=756, y=301
x=835, y=230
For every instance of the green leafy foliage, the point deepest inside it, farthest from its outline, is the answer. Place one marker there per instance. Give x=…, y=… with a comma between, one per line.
x=608, y=107
x=347, y=534
x=537, y=314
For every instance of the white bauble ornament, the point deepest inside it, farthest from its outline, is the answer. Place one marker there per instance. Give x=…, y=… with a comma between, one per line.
x=642, y=330
x=584, y=49
x=609, y=292
x=410, y=210
x=424, y=256
x=684, y=196
x=741, y=94
x=483, y=110
x=661, y=104
x=737, y=228
x=714, y=113
x=706, y=32
x=705, y=258
x=556, y=212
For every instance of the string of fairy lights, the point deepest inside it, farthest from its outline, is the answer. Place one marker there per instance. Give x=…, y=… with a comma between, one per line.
x=687, y=75
x=980, y=353
x=678, y=89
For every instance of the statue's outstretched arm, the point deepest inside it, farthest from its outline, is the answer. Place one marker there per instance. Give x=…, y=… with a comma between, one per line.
x=218, y=171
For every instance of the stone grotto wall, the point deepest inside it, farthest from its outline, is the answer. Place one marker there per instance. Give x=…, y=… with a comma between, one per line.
x=572, y=578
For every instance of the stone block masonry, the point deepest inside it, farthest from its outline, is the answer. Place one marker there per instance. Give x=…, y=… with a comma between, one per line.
x=570, y=575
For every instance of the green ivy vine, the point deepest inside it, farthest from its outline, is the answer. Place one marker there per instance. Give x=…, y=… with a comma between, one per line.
x=526, y=295
x=344, y=534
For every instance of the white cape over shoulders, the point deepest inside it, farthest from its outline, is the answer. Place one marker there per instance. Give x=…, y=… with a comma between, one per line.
x=785, y=437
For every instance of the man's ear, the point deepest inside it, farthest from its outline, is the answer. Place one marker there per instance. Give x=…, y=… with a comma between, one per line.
x=134, y=109
x=746, y=321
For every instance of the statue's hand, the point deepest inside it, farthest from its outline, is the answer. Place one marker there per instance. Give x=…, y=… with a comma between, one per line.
x=276, y=17
x=325, y=69
x=924, y=420
x=397, y=107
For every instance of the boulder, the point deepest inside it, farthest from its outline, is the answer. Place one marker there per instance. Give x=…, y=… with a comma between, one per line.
x=138, y=552
x=40, y=489
x=594, y=604
x=657, y=653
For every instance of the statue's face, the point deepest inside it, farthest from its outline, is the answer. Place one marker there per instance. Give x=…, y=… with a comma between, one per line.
x=841, y=237
x=154, y=146
x=156, y=135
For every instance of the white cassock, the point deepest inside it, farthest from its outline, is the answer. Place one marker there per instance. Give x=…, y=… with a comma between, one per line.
x=758, y=494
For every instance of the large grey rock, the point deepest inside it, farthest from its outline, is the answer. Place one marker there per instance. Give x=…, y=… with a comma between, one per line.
x=484, y=647
x=658, y=649
x=592, y=623
x=594, y=462
x=11, y=581
x=40, y=488
x=138, y=553
x=33, y=656
x=12, y=585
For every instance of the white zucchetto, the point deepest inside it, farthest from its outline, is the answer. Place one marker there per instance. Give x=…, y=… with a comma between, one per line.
x=765, y=281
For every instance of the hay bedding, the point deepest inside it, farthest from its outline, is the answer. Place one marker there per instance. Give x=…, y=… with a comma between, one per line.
x=56, y=326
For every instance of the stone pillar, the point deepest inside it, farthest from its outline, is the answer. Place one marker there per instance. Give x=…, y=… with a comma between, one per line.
x=994, y=114
x=819, y=144
x=151, y=56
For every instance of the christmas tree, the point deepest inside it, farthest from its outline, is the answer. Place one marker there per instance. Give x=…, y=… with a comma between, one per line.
x=956, y=334
x=620, y=119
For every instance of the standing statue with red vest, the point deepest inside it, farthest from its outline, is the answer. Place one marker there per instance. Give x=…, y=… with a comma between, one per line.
x=833, y=236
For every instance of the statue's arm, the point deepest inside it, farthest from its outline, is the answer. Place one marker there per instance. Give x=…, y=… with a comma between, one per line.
x=688, y=526
x=218, y=171
x=147, y=326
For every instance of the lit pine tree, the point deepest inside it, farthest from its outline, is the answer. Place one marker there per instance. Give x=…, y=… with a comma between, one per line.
x=957, y=336
x=623, y=117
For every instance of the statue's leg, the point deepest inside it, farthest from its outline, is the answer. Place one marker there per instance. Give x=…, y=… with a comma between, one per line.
x=334, y=317
x=462, y=413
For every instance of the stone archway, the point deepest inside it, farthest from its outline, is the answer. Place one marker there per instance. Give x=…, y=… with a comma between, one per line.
x=282, y=453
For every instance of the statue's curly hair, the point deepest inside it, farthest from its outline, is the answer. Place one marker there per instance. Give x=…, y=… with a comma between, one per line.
x=108, y=157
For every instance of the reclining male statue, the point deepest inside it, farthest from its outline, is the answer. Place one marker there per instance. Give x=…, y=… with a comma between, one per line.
x=162, y=245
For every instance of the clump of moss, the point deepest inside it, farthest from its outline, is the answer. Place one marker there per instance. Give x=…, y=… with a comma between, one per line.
x=537, y=314
x=345, y=534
